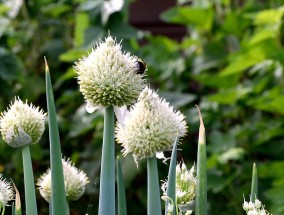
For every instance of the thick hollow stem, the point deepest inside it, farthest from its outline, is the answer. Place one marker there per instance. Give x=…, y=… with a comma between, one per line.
x=31, y=207
x=154, y=198
x=107, y=178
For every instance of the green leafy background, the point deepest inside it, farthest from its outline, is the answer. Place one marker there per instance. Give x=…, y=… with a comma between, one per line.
x=229, y=62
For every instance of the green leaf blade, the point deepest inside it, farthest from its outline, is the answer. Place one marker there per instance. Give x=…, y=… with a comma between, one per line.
x=58, y=196
x=171, y=186
x=201, y=189
x=254, y=184
x=121, y=199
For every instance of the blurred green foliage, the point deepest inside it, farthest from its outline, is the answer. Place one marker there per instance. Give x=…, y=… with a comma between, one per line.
x=230, y=62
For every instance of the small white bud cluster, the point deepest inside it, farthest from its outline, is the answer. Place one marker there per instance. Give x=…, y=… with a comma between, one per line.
x=75, y=181
x=6, y=192
x=185, y=188
x=255, y=208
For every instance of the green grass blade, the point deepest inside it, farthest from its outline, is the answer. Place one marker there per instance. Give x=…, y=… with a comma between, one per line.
x=17, y=209
x=254, y=184
x=58, y=197
x=13, y=209
x=171, y=189
x=154, y=198
x=121, y=199
x=30, y=197
x=201, y=189
x=107, y=178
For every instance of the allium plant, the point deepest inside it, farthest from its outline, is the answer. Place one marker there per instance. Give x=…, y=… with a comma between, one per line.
x=151, y=126
x=6, y=193
x=185, y=189
x=108, y=78
x=75, y=181
x=21, y=125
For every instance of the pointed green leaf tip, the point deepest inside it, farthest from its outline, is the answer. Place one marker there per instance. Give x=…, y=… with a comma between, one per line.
x=58, y=198
x=201, y=139
x=254, y=184
x=18, y=210
x=46, y=65
x=201, y=188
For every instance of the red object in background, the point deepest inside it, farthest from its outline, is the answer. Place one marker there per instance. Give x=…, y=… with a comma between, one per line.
x=145, y=15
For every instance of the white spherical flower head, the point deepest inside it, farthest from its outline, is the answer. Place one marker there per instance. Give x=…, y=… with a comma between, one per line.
x=22, y=124
x=150, y=126
x=6, y=191
x=75, y=181
x=108, y=76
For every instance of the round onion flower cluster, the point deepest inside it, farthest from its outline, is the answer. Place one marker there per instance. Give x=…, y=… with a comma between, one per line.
x=22, y=124
x=75, y=181
x=108, y=77
x=150, y=126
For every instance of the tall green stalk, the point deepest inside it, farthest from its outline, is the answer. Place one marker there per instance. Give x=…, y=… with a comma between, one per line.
x=31, y=207
x=171, y=186
x=201, y=189
x=121, y=199
x=154, y=198
x=254, y=184
x=107, y=178
x=58, y=197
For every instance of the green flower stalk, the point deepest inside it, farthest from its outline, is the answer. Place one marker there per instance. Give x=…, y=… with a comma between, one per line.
x=6, y=193
x=150, y=126
x=112, y=79
x=185, y=189
x=22, y=124
x=255, y=208
x=75, y=181
x=108, y=76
